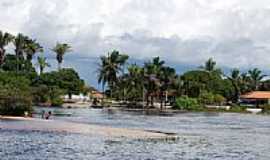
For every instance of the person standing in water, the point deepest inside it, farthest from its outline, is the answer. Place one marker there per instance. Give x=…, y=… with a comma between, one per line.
x=48, y=115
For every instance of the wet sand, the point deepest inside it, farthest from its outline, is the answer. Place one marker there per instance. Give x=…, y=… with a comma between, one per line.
x=21, y=123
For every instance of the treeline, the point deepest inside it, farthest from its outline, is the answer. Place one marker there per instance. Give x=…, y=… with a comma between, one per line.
x=21, y=85
x=155, y=81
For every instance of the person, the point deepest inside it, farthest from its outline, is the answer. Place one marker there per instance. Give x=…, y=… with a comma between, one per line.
x=42, y=114
x=48, y=115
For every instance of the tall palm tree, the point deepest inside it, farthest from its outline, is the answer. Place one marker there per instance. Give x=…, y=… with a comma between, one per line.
x=31, y=48
x=42, y=63
x=135, y=87
x=255, y=78
x=210, y=66
x=110, y=67
x=20, y=44
x=152, y=72
x=167, y=77
x=236, y=80
x=5, y=39
x=61, y=49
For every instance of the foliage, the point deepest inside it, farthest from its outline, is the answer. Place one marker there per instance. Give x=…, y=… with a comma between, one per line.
x=15, y=95
x=61, y=49
x=187, y=103
x=210, y=98
x=110, y=67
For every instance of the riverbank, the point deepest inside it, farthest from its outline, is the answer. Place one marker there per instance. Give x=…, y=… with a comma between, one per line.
x=92, y=130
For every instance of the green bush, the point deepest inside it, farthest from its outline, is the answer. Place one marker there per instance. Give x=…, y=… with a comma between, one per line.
x=210, y=98
x=186, y=103
x=206, y=98
x=237, y=108
x=15, y=103
x=265, y=108
x=56, y=102
x=219, y=99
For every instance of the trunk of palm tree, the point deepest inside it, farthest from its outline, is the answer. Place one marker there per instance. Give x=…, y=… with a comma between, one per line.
x=40, y=70
x=2, y=55
x=59, y=66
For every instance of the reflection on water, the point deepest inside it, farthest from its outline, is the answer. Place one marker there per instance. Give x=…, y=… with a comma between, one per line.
x=202, y=136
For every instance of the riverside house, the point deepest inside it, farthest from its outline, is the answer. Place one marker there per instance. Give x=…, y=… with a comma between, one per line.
x=256, y=98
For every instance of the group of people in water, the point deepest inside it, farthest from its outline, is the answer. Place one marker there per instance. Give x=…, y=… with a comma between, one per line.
x=46, y=115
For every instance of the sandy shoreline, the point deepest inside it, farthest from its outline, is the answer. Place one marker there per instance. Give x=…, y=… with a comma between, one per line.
x=88, y=129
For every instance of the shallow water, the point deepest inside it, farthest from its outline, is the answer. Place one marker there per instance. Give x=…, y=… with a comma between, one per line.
x=220, y=136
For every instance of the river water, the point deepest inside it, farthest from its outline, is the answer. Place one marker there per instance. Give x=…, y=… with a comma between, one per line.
x=206, y=136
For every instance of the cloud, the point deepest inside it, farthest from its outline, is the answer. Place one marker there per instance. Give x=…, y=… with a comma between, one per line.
x=234, y=32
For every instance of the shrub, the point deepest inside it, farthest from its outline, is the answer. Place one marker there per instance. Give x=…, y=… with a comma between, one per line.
x=186, y=103
x=206, y=98
x=57, y=102
x=219, y=99
x=210, y=98
x=15, y=103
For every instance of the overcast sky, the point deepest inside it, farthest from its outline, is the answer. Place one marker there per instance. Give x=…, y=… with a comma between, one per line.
x=236, y=33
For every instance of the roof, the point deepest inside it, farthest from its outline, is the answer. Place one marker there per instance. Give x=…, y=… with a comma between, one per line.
x=257, y=95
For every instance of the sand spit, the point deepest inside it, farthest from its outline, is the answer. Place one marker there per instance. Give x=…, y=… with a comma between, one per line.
x=21, y=123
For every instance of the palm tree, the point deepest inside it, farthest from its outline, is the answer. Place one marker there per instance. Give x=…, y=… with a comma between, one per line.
x=152, y=72
x=167, y=78
x=5, y=39
x=236, y=80
x=210, y=66
x=135, y=87
x=255, y=76
x=31, y=48
x=61, y=49
x=110, y=67
x=20, y=44
x=42, y=63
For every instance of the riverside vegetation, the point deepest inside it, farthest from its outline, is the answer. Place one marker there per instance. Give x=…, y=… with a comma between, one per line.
x=24, y=83
x=21, y=86
x=155, y=81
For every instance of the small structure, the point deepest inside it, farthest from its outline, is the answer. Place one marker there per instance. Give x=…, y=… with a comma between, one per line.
x=96, y=95
x=256, y=98
x=75, y=98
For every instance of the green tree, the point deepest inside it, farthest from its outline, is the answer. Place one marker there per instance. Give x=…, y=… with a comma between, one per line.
x=210, y=66
x=61, y=49
x=256, y=77
x=5, y=39
x=42, y=63
x=235, y=78
x=20, y=44
x=110, y=67
x=31, y=48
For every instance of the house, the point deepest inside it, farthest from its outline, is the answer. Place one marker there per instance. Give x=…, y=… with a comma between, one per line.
x=75, y=98
x=256, y=98
x=96, y=95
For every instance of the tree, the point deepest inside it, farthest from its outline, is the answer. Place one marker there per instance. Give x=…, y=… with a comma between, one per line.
x=5, y=39
x=31, y=48
x=152, y=83
x=110, y=67
x=61, y=49
x=210, y=66
x=20, y=44
x=235, y=78
x=256, y=77
x=42, y=63
x=167, y=77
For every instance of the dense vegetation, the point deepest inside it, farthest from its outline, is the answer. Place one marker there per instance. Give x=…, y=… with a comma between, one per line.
x=157, y=82
x=20, y=84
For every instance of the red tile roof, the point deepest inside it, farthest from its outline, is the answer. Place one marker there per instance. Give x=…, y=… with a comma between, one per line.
x=257, y=95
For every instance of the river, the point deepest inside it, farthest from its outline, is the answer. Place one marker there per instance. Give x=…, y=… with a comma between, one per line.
x=206, y=136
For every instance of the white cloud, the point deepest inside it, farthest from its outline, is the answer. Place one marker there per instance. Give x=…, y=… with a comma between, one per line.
x=234, y=32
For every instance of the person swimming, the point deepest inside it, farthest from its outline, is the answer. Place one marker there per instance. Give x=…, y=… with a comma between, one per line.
x=48, y=115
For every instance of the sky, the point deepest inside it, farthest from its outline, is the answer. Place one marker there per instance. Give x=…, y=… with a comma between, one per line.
x=185, y=33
